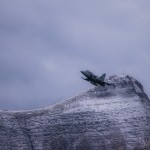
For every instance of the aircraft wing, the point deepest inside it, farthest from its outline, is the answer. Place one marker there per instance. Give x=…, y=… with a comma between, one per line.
x=85, y=79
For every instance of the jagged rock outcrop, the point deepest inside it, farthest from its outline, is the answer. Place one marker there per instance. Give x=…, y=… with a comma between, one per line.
x=103, y=118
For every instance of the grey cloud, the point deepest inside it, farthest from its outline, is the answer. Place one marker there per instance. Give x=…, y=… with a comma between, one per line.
x=44, y=45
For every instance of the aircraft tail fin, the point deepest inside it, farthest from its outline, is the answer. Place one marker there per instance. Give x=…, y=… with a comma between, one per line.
x=102, y=78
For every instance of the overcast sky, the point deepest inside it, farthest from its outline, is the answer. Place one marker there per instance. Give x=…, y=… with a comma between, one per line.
x=44, y=44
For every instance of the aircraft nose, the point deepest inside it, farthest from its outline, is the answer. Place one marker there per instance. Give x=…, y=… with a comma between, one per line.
x=82, y=72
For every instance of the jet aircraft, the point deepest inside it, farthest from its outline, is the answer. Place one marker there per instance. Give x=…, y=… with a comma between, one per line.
x=95, y=80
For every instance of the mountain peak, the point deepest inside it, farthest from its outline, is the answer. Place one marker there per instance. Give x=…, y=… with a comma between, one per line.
x=125, y=81
x=125, y=87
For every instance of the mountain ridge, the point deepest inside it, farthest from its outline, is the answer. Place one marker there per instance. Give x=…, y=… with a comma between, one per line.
x=102, y=118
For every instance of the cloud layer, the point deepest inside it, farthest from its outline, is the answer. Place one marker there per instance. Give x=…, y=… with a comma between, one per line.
x=44, y=45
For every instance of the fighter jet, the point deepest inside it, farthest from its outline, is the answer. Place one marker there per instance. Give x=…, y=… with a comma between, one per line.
x=93, y=79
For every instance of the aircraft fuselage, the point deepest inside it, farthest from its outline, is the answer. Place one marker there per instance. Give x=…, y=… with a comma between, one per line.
x=93, y=79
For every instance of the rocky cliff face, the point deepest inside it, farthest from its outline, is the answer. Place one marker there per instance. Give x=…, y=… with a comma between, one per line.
x=103, y=118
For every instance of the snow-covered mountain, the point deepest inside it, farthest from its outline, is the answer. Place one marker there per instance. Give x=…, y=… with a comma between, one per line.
x=102, y=118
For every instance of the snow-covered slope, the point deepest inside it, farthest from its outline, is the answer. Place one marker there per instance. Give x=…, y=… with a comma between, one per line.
x=103, y=118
